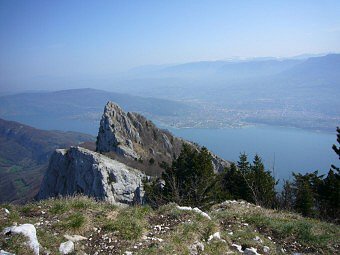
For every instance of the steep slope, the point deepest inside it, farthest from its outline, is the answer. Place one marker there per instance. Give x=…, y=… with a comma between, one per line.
x=134, y=137
x=24, y=154
x=130, y=137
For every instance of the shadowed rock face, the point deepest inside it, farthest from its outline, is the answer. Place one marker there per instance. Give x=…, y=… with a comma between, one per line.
x=133, y=136
x=81, y=171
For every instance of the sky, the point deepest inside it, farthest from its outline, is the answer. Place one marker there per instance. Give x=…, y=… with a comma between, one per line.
x=61, y=40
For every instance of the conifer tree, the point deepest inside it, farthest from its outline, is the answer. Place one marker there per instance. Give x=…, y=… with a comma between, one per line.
x=330, y=189
x=243, y=167
x=287, y=196
x=305, y=193
x=191, y=179
x=337, y=149
x=330, y=196
x=233, y=183
x=263, y=184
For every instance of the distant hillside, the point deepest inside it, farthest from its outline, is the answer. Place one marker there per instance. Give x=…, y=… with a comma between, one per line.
x=232, y=70
x=317, y=71
x=300, y=93
x=24, y=155
x=79, y=109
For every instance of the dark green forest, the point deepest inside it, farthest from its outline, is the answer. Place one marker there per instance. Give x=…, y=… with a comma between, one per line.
x=190, y=180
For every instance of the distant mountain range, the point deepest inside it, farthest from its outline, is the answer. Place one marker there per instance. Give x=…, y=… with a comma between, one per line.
x=299, y=92
x=80, y=109
x=24, y=155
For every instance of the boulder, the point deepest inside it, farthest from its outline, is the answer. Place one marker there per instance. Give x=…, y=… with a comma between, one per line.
x=29, y=231
x=81, y=171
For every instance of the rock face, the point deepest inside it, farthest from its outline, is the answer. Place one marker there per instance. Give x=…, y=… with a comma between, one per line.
x=117, y=132
x=133, y=136
x=81, y=171
x=129, y=136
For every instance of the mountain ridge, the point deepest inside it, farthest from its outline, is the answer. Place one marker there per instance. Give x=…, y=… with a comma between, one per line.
x=24, y=155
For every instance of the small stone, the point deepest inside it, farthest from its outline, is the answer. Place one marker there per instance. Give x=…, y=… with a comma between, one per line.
x=75, y=238
x=250, y=251
x=196, y=248
x=66, y=247
x=6, y=211
x=2, y=252
x=158, y=227
x=237, y=247
x=258, y=239
x=266, y=249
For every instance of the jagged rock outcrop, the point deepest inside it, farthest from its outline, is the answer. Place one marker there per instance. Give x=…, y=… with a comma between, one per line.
x=81, y=171
x=133, y=136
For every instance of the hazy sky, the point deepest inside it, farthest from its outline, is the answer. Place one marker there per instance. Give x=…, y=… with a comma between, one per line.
x=77, y=38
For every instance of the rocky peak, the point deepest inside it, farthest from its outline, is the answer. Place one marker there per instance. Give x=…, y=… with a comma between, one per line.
x=133, y=136
x=117, y=132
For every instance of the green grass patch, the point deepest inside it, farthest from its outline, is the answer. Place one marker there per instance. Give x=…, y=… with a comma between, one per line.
x=59, y=207
x=131, y=223
x=75, y=221
x=306, y=231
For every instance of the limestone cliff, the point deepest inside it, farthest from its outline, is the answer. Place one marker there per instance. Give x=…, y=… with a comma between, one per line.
x=132, y=136
x=81, y=171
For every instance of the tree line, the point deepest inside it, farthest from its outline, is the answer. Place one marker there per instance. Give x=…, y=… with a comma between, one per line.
x=190, y=180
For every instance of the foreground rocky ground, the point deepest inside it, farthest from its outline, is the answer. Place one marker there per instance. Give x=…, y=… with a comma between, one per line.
x=233, y=227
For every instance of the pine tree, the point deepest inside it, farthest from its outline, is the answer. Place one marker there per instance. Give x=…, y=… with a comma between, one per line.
x=304, y=199
x=243, y=167
x=330, y=196
x=287, y=196
x=337, y=149
x=305, y=192
x=233, y=182
x=191, y=179
x=330, y=189
x=263, y=184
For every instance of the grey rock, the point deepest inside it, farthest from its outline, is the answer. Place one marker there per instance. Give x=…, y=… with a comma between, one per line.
x=2, y=252
x=81, y=171
x=266, y=249
x=75, y=238
x=218, y=163
x=29, y=231
x=133, y=136
x=117, y=132
x=250, y=251
x=66, y=247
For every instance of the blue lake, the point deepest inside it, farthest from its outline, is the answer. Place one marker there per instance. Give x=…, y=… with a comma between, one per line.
x=288, y=149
